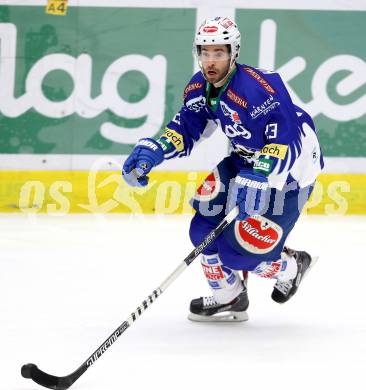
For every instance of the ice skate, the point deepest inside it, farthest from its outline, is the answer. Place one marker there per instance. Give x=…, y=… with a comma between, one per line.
x=283, y=291
x=206, y=309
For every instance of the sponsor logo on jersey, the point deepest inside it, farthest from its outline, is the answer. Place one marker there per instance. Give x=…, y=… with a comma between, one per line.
x=210, y=29
x=260, y=80
x=210, y=188
x=263, y=165
x=236, y=130
x=175, y=138
x=196, y=104
x=191, y=87
x=258, y=234
x=264, y=108
x=275, y=150
x=240, y=101
x=213, y=101
x=230, y=113
x=164, y=143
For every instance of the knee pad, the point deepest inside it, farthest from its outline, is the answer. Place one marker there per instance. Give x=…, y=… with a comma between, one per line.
x=225, y=283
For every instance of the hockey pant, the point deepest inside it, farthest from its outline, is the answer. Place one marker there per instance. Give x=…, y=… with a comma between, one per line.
x=254, y=244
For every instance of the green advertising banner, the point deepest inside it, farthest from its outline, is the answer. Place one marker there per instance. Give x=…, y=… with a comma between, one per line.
x=321, y=57
x=92, y=82
x=95, y=81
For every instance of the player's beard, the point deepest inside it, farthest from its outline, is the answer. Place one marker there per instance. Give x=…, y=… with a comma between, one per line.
x=214, y=75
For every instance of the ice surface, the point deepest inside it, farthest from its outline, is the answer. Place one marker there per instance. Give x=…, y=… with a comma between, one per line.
x=66, y=283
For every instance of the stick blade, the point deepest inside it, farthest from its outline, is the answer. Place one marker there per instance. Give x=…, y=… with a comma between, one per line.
x=27, y=370
x=31, y=371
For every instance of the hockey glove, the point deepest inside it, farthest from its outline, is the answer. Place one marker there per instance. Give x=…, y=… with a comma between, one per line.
x=146, y=154
x=249, y=193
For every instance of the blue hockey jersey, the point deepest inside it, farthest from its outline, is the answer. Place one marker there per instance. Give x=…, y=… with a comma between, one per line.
x=256, y=113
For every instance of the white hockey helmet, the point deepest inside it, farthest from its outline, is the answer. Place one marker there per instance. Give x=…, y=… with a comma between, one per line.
x=218, y=31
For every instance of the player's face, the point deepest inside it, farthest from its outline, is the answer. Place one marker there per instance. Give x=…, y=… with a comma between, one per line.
x=215, y=62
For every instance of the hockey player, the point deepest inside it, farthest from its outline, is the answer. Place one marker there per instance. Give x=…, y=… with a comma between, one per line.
x=269, y=173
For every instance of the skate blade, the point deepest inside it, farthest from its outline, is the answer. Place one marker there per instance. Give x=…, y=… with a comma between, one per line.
x=231, y=316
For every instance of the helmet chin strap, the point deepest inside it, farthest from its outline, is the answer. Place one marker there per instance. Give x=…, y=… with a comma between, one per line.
x=223, y=80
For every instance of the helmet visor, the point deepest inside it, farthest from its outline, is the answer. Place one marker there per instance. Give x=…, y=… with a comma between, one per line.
x=210, y=53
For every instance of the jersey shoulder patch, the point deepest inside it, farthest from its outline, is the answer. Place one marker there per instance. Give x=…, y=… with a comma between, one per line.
x=195, y=86
x=261, y=77
x=263, y=91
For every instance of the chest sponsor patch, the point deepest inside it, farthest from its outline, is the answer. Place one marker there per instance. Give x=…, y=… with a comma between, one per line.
x=232, y=114
x=258, y=234
x=196, y=104
x=239, y=100
x=264, y=108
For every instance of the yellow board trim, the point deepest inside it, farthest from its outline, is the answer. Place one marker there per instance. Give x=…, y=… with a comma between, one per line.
x=63, y=192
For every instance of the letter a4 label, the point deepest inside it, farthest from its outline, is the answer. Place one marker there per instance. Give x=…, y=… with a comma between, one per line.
x=56, y=7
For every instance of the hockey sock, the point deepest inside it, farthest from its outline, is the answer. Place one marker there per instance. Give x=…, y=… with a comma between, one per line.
x=283, y=269
x=225, y=283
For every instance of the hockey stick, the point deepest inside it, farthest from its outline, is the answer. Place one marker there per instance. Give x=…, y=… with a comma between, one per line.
x=64, y=382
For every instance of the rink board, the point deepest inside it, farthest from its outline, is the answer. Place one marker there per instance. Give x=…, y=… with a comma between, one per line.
x=63, y=192
x=94, y=81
